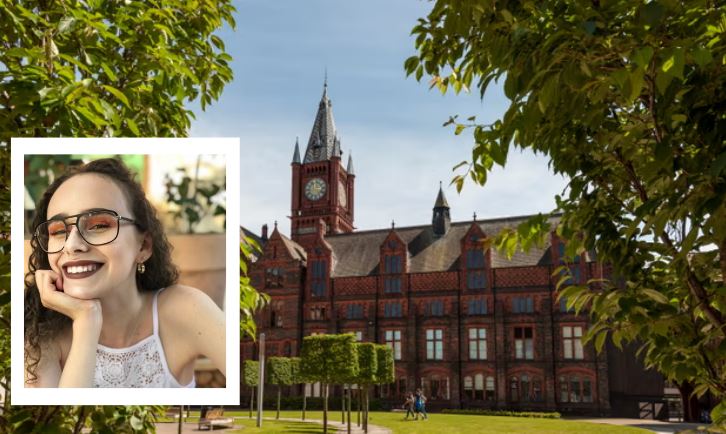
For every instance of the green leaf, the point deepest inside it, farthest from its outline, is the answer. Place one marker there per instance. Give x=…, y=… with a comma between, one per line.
x=642, y=57
x=118, y=94
x=674, y=63
x=655, y=295
x=702, y=56
x=718, y=165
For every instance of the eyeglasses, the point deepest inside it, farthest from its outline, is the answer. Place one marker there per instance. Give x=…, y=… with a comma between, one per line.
x=97, y=227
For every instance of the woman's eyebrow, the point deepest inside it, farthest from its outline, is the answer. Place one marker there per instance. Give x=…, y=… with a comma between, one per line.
x=64, y=215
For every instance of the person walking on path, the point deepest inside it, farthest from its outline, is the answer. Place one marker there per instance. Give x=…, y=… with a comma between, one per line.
x=408, y=405
x=420, y=405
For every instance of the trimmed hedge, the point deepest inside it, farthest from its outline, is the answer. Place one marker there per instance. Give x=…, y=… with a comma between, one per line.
x=296, y=402
x=485, y=412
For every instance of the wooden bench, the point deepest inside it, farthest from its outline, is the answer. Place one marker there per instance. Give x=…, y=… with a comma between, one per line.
x=213, y=418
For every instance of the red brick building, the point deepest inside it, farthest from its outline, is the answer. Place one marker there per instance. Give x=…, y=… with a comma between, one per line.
x=470, y=327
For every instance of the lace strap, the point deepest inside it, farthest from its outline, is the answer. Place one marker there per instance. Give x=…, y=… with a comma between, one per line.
x=155, y=313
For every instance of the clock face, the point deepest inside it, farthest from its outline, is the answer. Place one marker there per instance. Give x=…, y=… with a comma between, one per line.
x=315, y=189
x=341, y=195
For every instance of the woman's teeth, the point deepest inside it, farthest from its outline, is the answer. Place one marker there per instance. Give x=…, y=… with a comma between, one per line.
x=81, y=268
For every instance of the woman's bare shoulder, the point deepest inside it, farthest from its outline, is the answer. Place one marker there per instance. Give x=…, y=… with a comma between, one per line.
x=184, y=303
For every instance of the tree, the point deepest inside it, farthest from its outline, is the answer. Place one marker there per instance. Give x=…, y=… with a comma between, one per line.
x=329, y=359
x=280, y=372
x=251, y=379
x=367, y=374
x=627, y=100
x=92, y=69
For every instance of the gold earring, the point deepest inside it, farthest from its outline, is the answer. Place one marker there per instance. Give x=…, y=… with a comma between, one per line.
x=140, y=267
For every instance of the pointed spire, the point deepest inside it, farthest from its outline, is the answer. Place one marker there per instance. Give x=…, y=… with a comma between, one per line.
x=474, y=215
x=393, y=224
x=441, y=199
x=441, y=220
x=323, y=135
x=296, y=155
x=336, y=148
x=349, y=169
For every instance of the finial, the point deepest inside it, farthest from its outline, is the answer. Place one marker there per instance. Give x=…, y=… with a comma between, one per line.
x=275, y=224
x=325, y=83
x=393, y=224
x=474, y=215
x=440, y=184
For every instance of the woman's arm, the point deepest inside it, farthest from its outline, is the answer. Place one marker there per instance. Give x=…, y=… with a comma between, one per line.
x=197, y=322
x=80, y=364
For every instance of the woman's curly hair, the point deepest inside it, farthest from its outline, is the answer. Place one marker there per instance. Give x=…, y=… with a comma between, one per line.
x=43, y=325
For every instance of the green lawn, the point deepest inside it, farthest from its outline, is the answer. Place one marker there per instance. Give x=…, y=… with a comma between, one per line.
x=439, y=424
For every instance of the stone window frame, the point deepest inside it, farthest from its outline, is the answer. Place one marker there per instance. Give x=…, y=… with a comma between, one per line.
x=436, y=341
x=572, y=342
x=524, y=339
x=477, y=343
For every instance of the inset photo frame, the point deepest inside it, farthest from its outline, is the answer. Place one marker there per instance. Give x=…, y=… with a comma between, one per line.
x=129, y=275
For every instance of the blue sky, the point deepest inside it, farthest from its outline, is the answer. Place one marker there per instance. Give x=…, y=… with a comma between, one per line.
x=390, y=123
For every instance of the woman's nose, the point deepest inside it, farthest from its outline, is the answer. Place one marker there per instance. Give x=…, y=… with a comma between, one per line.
x=75, y=242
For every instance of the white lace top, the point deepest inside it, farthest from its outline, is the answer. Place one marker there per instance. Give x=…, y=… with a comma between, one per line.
x=140, y=365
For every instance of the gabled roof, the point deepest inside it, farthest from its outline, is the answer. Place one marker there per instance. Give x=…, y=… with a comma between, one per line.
x=296, y=250
x=322, y=143
x=358, y=253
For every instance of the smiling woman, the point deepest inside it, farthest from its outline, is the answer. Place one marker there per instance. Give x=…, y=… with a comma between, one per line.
x=102, y=306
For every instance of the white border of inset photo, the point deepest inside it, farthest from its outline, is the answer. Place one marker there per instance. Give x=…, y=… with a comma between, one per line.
x=228, y=395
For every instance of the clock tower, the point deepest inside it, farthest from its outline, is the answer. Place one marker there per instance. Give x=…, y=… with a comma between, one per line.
x=321, y=188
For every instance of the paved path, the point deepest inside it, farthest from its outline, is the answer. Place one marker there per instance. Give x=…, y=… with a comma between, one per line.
x=189, y=427
x=656, y=426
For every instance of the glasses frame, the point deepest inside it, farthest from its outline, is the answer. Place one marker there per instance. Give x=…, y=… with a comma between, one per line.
x=78, y=216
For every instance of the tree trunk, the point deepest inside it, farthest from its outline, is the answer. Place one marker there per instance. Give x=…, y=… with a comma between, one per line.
x=365, y=411
x=342, y=406
x=181, y=416
x=325, y=408
x=691, y=406
x=350, y=397
x=252, y=401
x=360, y=396
x=279, y=394
x=305, y=400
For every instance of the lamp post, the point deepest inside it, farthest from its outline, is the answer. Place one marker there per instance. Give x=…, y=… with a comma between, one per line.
x=261, y=381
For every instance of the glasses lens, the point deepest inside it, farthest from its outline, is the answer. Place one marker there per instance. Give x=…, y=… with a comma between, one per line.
x=52, y=235
x=98, y=227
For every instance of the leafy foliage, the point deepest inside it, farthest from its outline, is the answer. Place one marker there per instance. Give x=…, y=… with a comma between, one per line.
x=385, y=369
x=195, y=199
x=627, y=100
x=367, y=363
x=98, y=69
x=280, y=371
x=329, y=359
x=251, y=373
x=250, y=300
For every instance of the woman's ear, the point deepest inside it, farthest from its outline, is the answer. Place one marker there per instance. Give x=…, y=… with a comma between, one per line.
x=146, y=248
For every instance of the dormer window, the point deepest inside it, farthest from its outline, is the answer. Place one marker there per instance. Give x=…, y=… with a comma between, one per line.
x=392, y=265
x=318, y=277
x=476, y=276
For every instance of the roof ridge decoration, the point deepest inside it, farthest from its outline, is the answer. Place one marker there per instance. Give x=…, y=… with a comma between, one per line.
x=441, y=201
x=323, y=137
x=296, y=155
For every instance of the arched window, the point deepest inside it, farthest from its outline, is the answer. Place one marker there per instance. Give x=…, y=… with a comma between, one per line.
x=479, y=386
x=489, y=394
x=575, y=388
x=526, y=388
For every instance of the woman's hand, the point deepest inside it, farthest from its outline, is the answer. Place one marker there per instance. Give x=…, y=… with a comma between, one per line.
x=50, y=288
x=87, y=317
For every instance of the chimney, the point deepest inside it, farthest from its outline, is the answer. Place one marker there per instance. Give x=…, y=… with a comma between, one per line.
x=264, y=232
